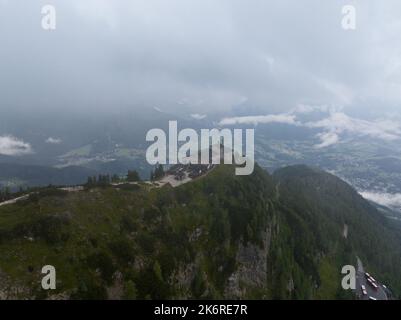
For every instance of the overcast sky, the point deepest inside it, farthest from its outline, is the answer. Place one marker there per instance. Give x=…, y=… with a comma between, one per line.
x=202, y=55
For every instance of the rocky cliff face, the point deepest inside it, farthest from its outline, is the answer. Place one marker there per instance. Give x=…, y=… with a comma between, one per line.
x=11, y=290
x=251, y=273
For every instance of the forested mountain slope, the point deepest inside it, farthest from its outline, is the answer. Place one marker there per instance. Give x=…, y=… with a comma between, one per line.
x=220, y=236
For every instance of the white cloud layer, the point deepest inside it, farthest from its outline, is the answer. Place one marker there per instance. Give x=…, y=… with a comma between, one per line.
x=11, y=146
x=327, y=139
x=52, y=140
x=338, y=123
x=198, y=116
x=385, y=199
x=334, y=124
x=255, y=120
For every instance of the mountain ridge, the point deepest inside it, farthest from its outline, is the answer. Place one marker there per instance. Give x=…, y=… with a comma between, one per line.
x=223, y=236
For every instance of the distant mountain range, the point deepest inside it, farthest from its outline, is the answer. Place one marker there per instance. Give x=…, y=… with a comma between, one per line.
x=15, y=175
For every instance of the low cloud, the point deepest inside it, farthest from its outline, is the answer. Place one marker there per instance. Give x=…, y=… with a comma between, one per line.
x=11, y=146
x=389, y=200
x=338, y=123
x=333, y=125
x=53, y=140
x=198, y=116
x=328, y=139
x=265, y=119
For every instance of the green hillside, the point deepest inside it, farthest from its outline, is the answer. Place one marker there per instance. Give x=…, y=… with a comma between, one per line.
x=221, y=236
